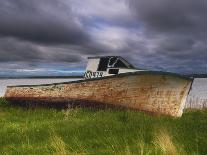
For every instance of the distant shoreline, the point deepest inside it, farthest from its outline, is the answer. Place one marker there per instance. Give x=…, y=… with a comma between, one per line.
x=198, y=75
x=42, y=77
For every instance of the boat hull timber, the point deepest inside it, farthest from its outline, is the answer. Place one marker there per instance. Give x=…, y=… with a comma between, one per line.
x=150, y=91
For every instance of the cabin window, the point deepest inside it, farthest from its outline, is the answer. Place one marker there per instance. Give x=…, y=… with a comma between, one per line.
x=113, y=71
x=103, y=64
x=120, y=64
x=112, y=61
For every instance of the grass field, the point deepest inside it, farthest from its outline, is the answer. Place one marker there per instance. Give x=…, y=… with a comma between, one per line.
x=100, y=132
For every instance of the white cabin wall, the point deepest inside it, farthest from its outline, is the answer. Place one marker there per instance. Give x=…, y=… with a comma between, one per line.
x=92, y=65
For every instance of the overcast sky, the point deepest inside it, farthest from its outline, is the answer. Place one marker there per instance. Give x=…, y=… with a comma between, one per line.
x=56, y=36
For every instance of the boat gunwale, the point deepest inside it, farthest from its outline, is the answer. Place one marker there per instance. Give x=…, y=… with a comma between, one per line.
x=114, y=76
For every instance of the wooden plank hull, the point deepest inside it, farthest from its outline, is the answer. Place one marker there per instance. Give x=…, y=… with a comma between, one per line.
x=154, y=92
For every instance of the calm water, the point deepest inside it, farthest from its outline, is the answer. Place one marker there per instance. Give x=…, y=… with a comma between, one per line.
x=9, y=82
x=197, y=97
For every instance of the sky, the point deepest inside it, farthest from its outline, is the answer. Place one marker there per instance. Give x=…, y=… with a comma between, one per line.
x=55, y=37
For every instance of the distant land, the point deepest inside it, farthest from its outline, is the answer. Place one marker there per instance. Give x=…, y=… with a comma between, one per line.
x=198, y=75
x=39, y=77
x=42, y=74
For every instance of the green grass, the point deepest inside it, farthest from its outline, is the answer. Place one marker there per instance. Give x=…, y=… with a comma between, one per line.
x=100, y=132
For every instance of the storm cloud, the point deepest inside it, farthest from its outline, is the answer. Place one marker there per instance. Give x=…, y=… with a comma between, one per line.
x=179, y=31
x=160, y=35
x=40, y=21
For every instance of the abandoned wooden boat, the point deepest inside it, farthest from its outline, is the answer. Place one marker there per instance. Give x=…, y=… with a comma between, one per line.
x=111, y=81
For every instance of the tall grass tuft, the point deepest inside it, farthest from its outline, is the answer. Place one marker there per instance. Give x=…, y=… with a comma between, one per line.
x=144, y=149
x=163, y=140
x=58, y=146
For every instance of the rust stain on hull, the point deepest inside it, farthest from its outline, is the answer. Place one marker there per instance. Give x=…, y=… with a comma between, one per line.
x=156, y=93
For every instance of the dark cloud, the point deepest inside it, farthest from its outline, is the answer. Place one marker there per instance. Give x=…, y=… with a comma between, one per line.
x=171, y=16
x=13, y=50
x=180, y=30
x=46, y=21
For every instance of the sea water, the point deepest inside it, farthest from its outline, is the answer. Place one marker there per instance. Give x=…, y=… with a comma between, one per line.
x=197, y=97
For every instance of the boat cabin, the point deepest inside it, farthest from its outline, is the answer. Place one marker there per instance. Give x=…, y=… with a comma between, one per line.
x=107, y=66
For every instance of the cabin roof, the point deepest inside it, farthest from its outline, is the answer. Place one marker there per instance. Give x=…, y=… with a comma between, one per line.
x=95, y=57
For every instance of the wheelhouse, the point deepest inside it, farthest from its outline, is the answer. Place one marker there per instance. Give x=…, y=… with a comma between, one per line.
x=107, y=66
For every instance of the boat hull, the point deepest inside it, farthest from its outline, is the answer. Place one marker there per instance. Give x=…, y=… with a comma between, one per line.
x=153, y=92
